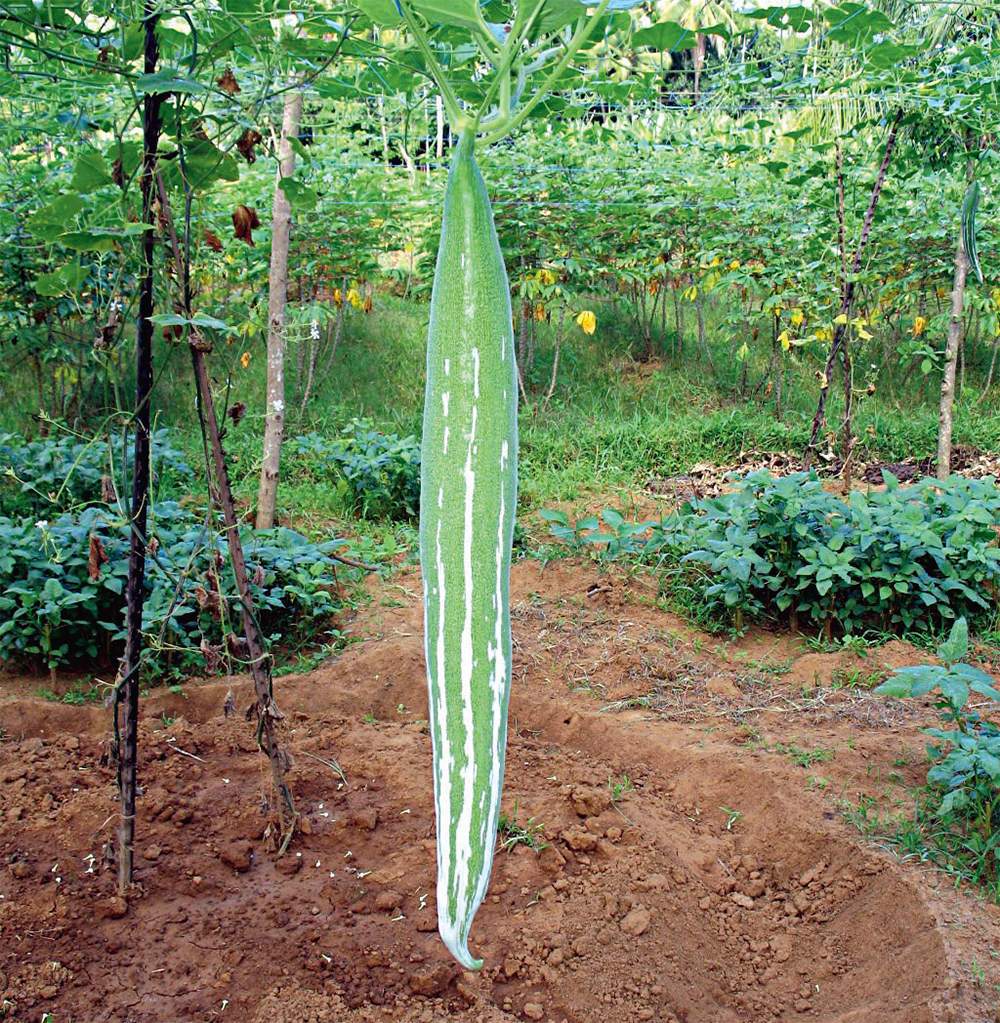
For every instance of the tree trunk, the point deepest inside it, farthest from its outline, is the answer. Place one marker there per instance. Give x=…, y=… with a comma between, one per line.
x=698, y=51
x=253, y=653
x=951, y=361
x=127, y=692
x=274, y=418
x=847, y=296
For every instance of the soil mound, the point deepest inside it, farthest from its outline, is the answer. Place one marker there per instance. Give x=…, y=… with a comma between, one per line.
x=684, y=875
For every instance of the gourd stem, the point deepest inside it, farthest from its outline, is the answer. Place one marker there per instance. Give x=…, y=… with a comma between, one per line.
x=580, y=36
x=455, y=116
x=501, y=80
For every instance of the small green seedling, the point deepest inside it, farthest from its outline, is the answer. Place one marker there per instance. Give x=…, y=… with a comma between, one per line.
x=733, y=817
x=512, y=833
x=620, y=787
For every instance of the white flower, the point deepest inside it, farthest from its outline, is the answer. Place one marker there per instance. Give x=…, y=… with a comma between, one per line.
x=42, y=524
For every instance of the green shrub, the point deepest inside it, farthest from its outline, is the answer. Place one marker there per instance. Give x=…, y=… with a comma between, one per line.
x=378, y=473
x=962, y=812
x=891, y=560
x=55, y=474
x=62, y=589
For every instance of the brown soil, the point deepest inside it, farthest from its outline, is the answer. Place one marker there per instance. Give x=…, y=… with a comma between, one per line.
x=723, y=886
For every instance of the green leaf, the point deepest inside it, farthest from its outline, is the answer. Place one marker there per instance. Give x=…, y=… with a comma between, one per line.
x=87, y=241
x=666, y=36
x=50, y=221
x=956, y=646
x=460, y=13
x=887, y=54
x=855, y=24
x=198, y=320
x=380, y=12
x=169, y=81
x=299, y=195
x=205, y=163
x=90, y=173
x=990, y=764
x=896, y=687
x=796, y=17
x=64, y=281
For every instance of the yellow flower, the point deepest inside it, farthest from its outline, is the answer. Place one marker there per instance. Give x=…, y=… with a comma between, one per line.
x=798, y=317
x=785, y=339
x=338, y=297
x=587, y=321
x=919, y=325
x=354, y=297
x=716, y=261
x=245, y=360
x=539, y=312
x=735, y=265
x=777, y=310
x=546, y=276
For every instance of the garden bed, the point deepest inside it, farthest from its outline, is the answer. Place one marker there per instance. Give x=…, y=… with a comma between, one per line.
x=666, y=891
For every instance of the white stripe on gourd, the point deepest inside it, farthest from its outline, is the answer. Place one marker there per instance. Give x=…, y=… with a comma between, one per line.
x=467, y=505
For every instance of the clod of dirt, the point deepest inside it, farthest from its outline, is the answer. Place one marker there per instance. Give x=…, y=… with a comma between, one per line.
x=112, y=908
x=20, y=869
x=288, y=865
x=387, y=901
x=579, y=839
x=238, y=855
x=635, y=922
x=590, y=802
x=366, y=820
x=432, y=981
x=532, y=1010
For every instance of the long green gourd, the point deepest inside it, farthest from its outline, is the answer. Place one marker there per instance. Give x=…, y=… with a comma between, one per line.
x=467, y=504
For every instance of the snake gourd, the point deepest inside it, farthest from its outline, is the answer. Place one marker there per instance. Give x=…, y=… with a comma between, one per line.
x=467, y=508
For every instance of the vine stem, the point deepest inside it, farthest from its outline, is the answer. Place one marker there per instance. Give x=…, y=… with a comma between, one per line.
x=127, y=706
x=455, y=115
x=580, y=36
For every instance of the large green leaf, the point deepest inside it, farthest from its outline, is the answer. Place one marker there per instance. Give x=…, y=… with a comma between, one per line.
x=666, y=36
x=169, y=81
x=459, y=13
x=855, y=24
x=90, y=173
x=64, y=281
x=299, y=195
x=797, y=18
x=50, y=221
x=205, y=163
x=381, y=12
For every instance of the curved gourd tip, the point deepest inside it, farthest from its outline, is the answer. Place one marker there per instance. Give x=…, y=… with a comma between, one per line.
x=458, y=946
x=464, y=956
